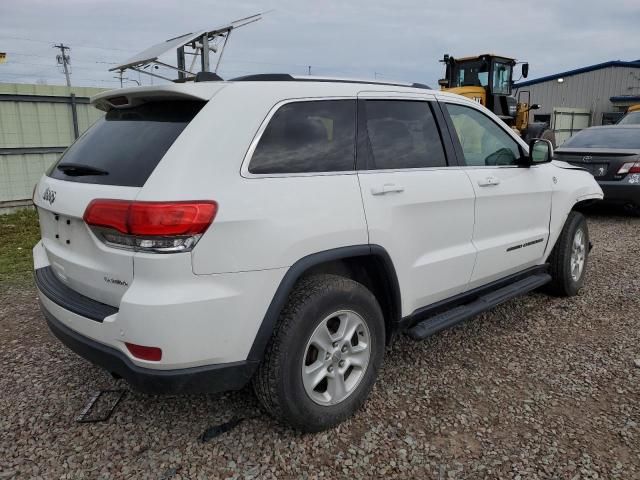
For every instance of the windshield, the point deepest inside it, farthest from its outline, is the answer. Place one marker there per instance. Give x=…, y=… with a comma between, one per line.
x=471, y=74
x=125, y=146
x=501, y=78
x=632, y=118
x=614, y=138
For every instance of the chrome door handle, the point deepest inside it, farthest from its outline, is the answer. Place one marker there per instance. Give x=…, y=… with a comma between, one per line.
x=489, y=181
x=387, y=188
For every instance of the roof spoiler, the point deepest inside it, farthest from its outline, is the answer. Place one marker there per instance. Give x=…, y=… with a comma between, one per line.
x=130, y=97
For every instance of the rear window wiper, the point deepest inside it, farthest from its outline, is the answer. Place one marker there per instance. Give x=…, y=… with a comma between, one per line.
x=80, y=169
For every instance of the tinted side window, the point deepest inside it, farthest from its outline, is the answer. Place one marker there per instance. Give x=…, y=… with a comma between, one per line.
x=402, y=134
x=313, y=136
x=483, y=141
x=127, y=144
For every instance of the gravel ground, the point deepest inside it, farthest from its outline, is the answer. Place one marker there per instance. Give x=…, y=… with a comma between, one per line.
x=538, y=388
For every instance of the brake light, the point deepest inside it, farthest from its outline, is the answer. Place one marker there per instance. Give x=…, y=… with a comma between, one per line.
x=629, y=167
x=162, y=227
x=153, y=354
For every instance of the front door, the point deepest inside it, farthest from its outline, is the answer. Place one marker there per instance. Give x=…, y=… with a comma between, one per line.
x=513, y=203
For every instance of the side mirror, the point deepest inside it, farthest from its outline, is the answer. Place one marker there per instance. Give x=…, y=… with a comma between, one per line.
x=525, y=70
x=443, y=82
x=535, y=106
x=540, y=151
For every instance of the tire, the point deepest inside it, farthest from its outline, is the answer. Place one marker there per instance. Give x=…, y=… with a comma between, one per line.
x=318, y=305
x=565, y=280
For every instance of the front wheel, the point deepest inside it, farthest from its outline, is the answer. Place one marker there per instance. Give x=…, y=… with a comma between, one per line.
x=568, y=260
x=325, y=354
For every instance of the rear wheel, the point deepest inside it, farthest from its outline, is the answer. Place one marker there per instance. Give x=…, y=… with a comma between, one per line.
x=325, y=354
x=568, y=260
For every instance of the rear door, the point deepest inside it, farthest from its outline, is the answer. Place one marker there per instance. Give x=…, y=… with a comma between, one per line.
x=513, y=203
x=417, y=205
x=113, y=160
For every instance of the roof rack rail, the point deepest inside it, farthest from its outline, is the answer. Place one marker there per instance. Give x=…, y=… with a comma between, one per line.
x=286, y=77
x=264, y=77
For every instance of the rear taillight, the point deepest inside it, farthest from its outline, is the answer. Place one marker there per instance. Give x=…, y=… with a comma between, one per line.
x=629, y=167
x=162, y=227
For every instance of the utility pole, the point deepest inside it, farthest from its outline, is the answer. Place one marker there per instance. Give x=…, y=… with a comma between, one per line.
x=309, y=70
x=119, y=77
x=63, y=59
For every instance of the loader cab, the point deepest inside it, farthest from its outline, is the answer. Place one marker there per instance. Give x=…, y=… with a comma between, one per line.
x=486, y=79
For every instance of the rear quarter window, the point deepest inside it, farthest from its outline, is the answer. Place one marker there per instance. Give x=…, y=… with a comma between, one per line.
x=307, y=137
x=126, y=145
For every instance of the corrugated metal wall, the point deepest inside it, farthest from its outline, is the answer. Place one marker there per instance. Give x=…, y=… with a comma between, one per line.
x=589, y=90
x=36, y=125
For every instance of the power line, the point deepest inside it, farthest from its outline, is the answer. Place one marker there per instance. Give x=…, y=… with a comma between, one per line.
x=83, y=62
x=340, y=69
x=26, y=54
x=84, y=44
x=25, y=39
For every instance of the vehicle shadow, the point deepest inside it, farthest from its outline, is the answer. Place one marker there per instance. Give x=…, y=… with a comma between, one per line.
x=601, y=210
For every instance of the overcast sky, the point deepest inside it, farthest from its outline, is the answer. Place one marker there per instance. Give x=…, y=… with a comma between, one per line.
x=401, y=40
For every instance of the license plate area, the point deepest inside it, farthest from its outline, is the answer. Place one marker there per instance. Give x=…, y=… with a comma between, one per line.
x=62, y=230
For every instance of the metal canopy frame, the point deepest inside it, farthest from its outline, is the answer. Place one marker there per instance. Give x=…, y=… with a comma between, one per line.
x=196, y=44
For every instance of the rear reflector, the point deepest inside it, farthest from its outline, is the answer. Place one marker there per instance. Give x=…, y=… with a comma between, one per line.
x=153, y=354
x=151, y=226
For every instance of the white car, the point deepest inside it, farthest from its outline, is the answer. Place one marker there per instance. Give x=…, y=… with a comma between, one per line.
x=281, y=231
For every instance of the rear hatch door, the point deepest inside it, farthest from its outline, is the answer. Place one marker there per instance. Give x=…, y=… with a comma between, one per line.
x=112, y=160
x=76, y=256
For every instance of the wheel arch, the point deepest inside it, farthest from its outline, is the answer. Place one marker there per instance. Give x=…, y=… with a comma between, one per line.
x=370, y=265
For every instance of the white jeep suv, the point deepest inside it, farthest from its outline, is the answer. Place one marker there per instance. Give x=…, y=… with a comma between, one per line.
x=281, y=231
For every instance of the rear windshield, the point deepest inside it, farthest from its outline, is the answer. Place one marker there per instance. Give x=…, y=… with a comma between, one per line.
x=632, y=118
x=617, y=138
x=125, y=146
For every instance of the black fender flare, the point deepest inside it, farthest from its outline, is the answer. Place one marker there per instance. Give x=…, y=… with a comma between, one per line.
x=298, y=269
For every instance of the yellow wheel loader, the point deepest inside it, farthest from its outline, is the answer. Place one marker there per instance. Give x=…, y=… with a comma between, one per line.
x=488, y=80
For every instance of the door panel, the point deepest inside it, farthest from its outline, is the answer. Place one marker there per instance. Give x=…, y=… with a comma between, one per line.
x=512, y=219
x=513, y=203
x=426, y=229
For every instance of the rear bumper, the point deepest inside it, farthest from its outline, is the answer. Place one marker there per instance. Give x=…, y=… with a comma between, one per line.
x=196, y=320
x=205, y=325
x=621, y=192
x=203, y=379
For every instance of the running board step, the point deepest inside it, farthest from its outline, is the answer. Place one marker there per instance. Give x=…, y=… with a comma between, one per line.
x=449, y=318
